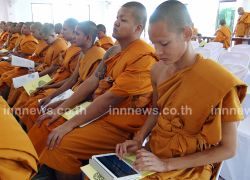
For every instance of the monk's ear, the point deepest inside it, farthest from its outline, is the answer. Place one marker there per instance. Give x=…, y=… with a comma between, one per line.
x=139, y=28
x=187, y=32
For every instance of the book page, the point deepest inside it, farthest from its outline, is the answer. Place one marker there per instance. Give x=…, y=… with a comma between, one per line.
x=65, y=95
x=21, y=80
x=31, y=87
x=22, y=62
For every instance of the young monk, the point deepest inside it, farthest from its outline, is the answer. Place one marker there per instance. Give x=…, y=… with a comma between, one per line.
x=66, y=67
x=18, y=158
x=104, y=41
x=4, y=34
x=57, y=46
x=13, y=38
x=28, y=43
x=85, y=36
x=223, y=35
x=191, y=132
x=125, y=83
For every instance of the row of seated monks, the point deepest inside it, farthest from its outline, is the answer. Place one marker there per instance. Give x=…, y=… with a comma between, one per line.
x=223, y=34
x=187, y=143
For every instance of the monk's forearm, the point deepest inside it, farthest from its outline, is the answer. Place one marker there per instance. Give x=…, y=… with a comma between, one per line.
x=213, y=155
x=58, y=84
x=96, y=109
x=83, y=91
x=146, y=128
x=69, y=83
x=49, y=70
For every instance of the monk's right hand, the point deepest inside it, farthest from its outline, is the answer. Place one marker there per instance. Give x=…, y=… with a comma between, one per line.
x=129, y=146
x=44, y=101
x=52, y=115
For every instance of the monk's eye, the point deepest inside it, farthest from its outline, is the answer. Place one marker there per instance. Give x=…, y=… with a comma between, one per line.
x=164, y=43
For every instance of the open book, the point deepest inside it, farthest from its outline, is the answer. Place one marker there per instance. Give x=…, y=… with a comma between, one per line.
x=60, y=97
x=21, y=80
x=22, y=62
x=31, y=87
x=93, y=174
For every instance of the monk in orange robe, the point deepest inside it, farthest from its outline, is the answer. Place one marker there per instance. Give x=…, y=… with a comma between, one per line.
x=124, y=83
x=243, y=25
x=104, y=41
x=25, y=48
x=4, y=34
x=13, y=38
x=191, y=131
x=66, y=67
x=28, y=43
x=223, y=34
x=57, y=46
x=37, y=57
x=86, y=66
x=18, y=158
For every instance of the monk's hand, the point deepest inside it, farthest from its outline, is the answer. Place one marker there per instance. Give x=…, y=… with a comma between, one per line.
x=44, y=101
x=147, y=161
x=43, y=117
x=56, y=135
x=129, y=146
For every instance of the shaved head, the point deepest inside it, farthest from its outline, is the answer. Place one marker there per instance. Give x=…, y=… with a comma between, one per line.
x=174, y=13
x=241, y=11
x=139, y=12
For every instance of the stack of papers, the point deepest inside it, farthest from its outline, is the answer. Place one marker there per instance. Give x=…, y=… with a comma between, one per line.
x=2, y=51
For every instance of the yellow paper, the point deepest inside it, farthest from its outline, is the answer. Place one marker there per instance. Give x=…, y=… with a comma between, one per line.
x=130, y=159
x=31, y=87
x=92, y=174
x=3, y=51
x=78, y=109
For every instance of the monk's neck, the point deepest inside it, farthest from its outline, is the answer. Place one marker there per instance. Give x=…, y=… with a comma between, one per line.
x=188, y=59
x=85, y=49
x=126, y=42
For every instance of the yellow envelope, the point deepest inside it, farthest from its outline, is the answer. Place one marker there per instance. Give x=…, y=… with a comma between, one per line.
x=71, y=113
x=31, y=87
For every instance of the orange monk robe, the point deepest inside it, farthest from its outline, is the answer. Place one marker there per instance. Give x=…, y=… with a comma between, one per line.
x=105, y=42
x=37, y=56
x=6, y=66
x=127, y=74
x=18, y=158
x=88, y=64
x=52, y=55
x=198, y=127
x=66, y=69
x=40, y=51
x=243, y=25
x=223, y=35
x=3, y=37
x=12, y=41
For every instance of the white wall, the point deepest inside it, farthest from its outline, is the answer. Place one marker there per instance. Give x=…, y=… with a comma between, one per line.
x=203, y=12
x=4, y=7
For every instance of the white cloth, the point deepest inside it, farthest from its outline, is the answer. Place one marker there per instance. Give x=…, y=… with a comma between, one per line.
x=237, y=168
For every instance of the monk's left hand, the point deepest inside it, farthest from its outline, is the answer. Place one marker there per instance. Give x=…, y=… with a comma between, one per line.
x=147, y=161
x=56, y=136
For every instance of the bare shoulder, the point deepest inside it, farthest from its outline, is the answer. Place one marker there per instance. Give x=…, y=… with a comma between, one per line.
x=160, y=73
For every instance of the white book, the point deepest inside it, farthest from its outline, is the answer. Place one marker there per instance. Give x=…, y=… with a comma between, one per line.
x=21, y=80
x=63, y=96
x=22, y=62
